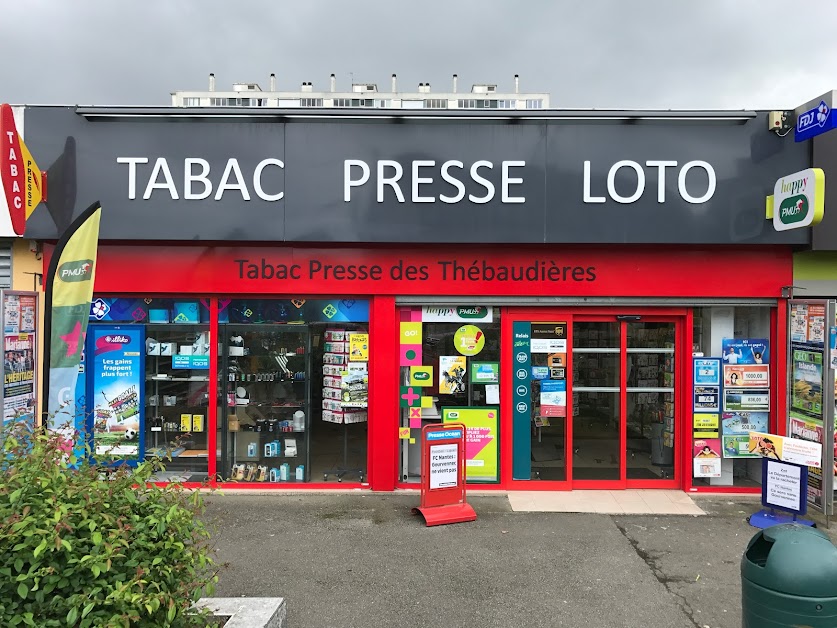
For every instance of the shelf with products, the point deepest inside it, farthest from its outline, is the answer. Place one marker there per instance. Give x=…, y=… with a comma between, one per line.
x=264, y=398
x=345, y=388
x=177, y=395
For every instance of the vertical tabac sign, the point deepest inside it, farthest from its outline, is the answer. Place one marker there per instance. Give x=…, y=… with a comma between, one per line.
x=20, y=179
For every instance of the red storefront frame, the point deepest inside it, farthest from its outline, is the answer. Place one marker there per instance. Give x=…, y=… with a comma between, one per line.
x=682, y=318
x=627, y=272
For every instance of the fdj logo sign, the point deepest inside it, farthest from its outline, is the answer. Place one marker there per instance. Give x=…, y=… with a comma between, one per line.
x=813, y=118
x=79, y=270
x=798, y=200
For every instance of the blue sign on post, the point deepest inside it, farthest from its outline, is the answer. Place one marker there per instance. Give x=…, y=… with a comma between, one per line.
x=815, y=117
x=522, y=400
x=783, y=488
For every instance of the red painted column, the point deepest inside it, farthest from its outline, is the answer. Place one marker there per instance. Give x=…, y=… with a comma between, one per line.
x=212, y=426
x=684, y=419
x=382, y=454
x=779, y=375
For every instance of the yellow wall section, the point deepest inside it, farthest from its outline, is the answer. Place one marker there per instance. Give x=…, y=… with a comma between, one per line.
x=815, y=265
x=25, y=262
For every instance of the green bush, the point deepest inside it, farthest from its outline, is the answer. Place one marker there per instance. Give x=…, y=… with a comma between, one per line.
x=82, y=547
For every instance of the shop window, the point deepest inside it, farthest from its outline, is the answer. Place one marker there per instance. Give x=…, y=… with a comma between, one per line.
x=450, y=371
x=293, y=390
x=739, y=338
x=154, y=400
x=176, y=403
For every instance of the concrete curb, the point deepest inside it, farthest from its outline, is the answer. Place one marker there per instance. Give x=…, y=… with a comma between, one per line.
x=248, y=612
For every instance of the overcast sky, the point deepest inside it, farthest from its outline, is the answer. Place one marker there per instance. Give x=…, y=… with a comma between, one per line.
x=669, y=54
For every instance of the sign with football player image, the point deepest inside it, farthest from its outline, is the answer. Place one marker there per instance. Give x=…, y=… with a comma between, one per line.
x=115, y=391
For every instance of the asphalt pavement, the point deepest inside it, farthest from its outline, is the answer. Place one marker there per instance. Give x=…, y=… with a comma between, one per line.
x=355, y=560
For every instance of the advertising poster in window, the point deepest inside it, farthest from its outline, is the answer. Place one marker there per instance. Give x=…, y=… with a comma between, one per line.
x=791, y=450
x=19, y=360
x=707, y=399
x=553, y=398
x=745, y=351
x=358, y=347
x=806, y=382
x=746, y=376
x=469, y=340
x=549, y=338
x=746, y=399
x=816, y=324
x=116, y=368
x=832, y=350
x=799, y=322
x=485, y=372
x=706, y=426
x=452, y=374
x=707, y=457
x=735, y=432
x=707, y=372
x=481, y=440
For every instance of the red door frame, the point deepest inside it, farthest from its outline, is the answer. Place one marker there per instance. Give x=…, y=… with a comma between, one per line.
x=681, y=318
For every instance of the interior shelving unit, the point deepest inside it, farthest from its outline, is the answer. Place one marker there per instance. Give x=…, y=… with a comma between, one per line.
x=177, y=399
x=264, y=403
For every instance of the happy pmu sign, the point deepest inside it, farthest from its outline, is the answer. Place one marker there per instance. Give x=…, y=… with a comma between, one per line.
x=799, y=200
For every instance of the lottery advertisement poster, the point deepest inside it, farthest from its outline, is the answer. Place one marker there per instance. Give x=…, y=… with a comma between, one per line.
x=707, y=457
x=746, y=376
x=745, y=351
x=735, y=432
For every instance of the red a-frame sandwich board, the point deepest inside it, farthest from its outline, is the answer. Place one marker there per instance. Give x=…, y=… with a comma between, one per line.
x=443, y=475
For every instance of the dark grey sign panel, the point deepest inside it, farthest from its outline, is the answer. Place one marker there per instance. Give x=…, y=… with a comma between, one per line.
x=824, y=235
x=222, y=213
x=448, y=182
x=412, y=181
x=666, y=182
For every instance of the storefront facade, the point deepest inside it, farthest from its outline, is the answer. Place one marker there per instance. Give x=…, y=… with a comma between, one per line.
x=310, y=291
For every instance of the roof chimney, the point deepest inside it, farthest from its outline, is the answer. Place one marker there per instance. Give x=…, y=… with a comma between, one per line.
x=516, y=84
x=333, y=83
x=272, y=82
x=211, y=82
x=393, y=84
x=454, y=83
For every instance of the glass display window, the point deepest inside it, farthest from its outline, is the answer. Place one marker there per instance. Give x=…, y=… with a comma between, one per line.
x=737, y=339
x=449, y=370
x=265, y=402
x=293, y=390
x=177, y=399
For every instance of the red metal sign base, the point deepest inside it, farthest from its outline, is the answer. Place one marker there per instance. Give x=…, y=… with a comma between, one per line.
x=451, y=513
x=443, y=494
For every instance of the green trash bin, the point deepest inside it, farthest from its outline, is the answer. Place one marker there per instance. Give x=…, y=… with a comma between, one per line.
x=789, y=579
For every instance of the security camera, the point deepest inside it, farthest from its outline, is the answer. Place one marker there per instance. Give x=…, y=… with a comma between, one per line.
x=780, y=122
